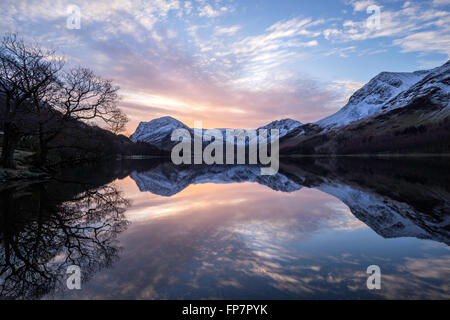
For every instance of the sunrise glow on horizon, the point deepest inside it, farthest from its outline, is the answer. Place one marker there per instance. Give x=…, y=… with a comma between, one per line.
x=237, y=64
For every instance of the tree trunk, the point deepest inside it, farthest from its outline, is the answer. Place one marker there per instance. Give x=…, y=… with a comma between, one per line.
x=43, y=152
x=6, y=203
x=10, y=140
x=43, y=149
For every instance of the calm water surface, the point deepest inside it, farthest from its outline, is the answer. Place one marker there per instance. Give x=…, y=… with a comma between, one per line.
x=151, y=230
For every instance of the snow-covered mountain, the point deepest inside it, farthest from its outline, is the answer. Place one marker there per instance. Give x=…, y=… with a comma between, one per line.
x=285, y=126
x=427, y=90
x=370, y=99
x=393, y=113
x=158, y=131
x=432, y=90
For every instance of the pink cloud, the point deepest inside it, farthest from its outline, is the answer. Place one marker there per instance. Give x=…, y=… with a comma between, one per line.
x=194, y=94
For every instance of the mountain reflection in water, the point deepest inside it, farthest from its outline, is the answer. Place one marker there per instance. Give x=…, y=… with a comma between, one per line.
x=153, y=230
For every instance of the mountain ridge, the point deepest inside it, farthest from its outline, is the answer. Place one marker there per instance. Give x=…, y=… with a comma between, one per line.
x=158, y=131
x=423, y=95
x=414, y=120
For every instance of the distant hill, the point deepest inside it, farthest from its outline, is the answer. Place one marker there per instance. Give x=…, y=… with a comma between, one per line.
x=158, y=131
x=76, y=140
x=393, y=113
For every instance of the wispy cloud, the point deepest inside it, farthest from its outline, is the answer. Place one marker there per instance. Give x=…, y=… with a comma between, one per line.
x=208, y=11
x=425, y=41
x=441, y=2
x=232, y=64
x=408, y=24
x=361, y=5
x=229, y=31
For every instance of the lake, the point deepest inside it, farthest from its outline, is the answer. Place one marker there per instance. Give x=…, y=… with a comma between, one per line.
x=147, y=229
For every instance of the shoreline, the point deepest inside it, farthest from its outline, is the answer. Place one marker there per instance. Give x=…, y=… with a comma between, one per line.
x=367, y=155
x=24, y=174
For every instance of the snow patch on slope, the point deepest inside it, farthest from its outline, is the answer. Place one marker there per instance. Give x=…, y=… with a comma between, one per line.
x=370, y=99
x=435, y=87
x=285, y=126
x=157, y=131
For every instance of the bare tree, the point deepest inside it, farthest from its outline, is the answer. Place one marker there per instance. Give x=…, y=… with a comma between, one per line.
x=43, y=100
x=81, y=95
x=118, y=122
x=26, y=70
x=85, y=96
x=36, y=227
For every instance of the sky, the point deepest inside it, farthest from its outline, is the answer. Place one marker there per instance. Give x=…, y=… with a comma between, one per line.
x=236, y=63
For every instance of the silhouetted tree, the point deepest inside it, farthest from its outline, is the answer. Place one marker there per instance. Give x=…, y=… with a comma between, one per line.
x=25, y=70
x=43, y=233
x=81, y=95
x=41, y=99
x=118, y=122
